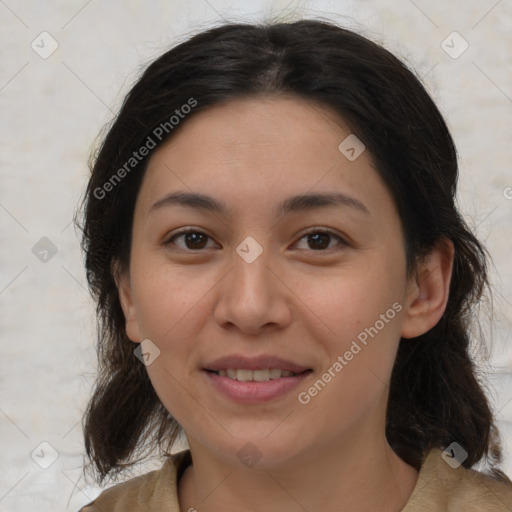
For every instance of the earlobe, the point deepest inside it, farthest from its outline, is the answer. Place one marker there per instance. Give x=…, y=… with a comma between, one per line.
x=122, y=279
x=428, y=291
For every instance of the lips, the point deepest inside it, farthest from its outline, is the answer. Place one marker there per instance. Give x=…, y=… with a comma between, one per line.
x=254, y=380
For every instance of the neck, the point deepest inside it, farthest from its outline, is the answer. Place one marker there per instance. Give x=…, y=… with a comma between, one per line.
x=355, y=475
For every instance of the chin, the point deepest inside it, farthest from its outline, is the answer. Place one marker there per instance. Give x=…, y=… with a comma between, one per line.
x=256, y=451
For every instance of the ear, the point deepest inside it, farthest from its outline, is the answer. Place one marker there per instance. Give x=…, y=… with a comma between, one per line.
x=428, y=291
x=122, y=279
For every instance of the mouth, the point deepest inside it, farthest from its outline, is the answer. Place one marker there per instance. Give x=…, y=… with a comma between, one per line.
x=264, y=375
x=254, y=380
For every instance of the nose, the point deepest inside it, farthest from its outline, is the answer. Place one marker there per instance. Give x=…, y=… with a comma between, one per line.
x=252, y=296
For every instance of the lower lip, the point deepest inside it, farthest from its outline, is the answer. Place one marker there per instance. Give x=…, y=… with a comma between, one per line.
x=255, y=392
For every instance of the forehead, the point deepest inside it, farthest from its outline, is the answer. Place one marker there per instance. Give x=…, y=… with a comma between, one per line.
x=252, y=152
x=243, y=128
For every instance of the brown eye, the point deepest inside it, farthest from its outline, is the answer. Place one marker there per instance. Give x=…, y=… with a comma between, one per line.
x=320, y=240
x=192, y=240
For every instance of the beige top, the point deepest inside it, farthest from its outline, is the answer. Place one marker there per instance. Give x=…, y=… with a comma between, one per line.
x=439, y=488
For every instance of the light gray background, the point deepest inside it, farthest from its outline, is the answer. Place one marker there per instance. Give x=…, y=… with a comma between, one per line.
x=53, y=109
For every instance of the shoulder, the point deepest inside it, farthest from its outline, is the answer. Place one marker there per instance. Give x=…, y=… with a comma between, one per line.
x=151, y=492
x=441, y=487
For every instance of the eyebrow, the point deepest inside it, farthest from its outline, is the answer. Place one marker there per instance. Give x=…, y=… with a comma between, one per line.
x=301, y=202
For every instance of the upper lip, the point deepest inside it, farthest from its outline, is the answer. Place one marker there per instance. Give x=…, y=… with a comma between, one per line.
x=254, y=363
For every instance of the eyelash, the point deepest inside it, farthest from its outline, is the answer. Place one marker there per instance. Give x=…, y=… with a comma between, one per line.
x=312, y=231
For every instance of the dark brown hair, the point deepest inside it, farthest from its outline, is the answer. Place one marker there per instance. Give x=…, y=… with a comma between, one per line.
x=435, y=395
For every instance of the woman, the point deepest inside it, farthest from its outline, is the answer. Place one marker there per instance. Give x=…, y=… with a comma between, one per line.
x=282, y=274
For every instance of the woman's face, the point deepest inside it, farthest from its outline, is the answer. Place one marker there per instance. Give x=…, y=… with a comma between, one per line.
x=251, y=290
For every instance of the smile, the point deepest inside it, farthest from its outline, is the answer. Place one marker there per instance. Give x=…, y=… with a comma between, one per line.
x=245, y=375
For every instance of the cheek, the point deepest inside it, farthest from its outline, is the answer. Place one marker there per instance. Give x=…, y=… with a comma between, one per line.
x=360, y=313
x=170, y=312
x=350, y=300
x=167, y=298
x=354, y=382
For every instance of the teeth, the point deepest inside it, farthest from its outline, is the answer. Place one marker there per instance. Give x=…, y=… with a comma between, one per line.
x=275, y=373
x=260, y=375
x=255, y=375
x=244, y=375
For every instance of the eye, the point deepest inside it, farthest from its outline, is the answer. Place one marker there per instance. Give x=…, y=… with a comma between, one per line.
x=192, y=239
x=195, y=240
x=318, y=240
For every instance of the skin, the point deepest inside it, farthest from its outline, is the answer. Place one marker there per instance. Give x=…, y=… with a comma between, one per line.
x=294, y=301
